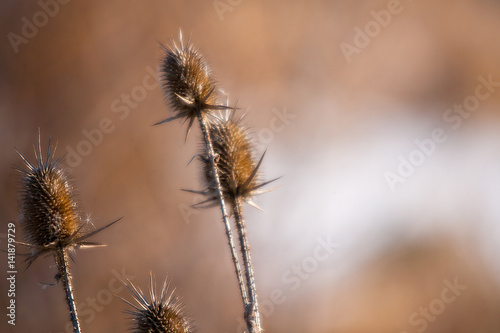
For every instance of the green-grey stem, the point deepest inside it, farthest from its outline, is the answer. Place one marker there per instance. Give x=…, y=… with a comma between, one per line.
x=225, y=218
x=64, y=275
x=252, y=315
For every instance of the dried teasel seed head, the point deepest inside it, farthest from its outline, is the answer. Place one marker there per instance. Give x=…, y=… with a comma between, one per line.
x=234, y=160
x=235, y=164
x=188, y=83
x=48, y=212
x=161, y=313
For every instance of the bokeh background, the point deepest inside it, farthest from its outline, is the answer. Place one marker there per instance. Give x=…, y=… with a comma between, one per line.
x=332, y=126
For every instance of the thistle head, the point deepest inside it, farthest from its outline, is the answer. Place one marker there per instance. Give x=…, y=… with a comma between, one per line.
x=162, y=312
x=48, y=212
x=188, y=83
x=238, y=170
x=234, y=160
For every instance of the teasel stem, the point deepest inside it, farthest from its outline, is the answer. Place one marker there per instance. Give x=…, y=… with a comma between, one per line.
x=211, y=156
x=252, y=316
x=64, y=274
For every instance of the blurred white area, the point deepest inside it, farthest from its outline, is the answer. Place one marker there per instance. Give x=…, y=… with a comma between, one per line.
x=338, y=190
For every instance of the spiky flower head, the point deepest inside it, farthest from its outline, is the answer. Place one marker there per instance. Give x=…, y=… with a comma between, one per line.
x=188, y=83
x=48, y=211
x=238, y=171
x=161, y=313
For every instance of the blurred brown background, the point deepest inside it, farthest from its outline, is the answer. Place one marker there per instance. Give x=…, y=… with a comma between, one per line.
x=332, y=127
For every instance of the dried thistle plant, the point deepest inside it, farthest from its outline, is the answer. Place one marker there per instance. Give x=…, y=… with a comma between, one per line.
x=161, y=313
x=239, y=174
x=50, y=219
x=188, y=83
x=190, y=90
x=236, y=166
x=229, y=171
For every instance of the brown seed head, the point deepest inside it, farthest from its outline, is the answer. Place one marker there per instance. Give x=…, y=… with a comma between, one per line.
x=48, y=212
x=161, y=313
x=188, y=83
x=238, y=172
x=234, y=160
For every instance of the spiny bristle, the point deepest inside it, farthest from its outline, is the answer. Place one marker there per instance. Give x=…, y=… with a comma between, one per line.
x=48, y=212
x=161, y=313
x=188, y=83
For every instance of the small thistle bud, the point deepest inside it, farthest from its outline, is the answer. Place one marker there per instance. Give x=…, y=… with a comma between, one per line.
x=188, y=83
x=161, y=313
x=234, y=161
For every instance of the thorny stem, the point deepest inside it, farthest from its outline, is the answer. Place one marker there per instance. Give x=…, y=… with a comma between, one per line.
x=225, y=218
x=64, y=275
x=252, y=315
